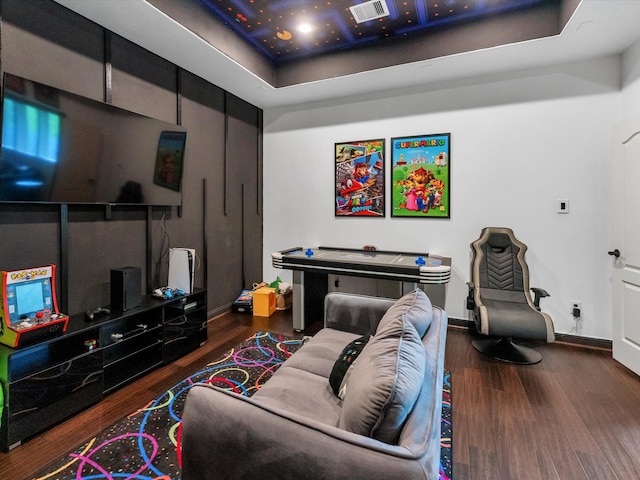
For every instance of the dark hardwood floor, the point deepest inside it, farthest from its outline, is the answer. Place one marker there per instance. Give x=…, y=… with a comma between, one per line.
x=575, y=415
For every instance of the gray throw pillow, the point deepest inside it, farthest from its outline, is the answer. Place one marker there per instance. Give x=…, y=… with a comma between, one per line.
x=344, y=362
x=417, y=309
x=384, y=382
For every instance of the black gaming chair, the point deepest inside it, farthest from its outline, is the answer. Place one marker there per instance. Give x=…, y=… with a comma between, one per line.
x=500, y=301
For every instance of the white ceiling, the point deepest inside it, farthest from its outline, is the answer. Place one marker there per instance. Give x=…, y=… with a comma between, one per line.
x=598, y=28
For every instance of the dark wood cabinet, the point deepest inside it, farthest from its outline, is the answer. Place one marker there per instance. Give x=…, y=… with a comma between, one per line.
x=45, y=383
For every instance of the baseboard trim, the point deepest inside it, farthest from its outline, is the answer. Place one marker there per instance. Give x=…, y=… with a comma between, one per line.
x=591, y=342
x=217, y=312
x=459, y=322
x=564, y=338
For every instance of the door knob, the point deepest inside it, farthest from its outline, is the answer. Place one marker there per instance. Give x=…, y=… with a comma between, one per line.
x=615, y=253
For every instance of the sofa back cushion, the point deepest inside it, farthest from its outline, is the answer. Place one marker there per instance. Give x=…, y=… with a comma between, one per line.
x=382, y=385
x=416, y=308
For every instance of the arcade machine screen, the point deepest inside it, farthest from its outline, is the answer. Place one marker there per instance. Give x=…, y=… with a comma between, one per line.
x=30, y=298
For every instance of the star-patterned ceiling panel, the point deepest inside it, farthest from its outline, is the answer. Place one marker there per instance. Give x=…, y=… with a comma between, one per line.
x=285, y=30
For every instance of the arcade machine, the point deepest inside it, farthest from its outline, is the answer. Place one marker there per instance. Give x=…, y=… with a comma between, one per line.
x=28, y=306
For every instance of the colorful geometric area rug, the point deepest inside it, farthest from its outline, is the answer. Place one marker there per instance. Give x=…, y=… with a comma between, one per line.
x=144, y=445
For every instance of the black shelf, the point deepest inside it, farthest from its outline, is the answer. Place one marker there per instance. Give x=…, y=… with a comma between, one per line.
x=120, y=351
x=46, y=383
x=30, y=361
x=132, y=365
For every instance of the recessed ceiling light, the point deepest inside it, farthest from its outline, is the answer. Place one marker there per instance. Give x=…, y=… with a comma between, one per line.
x=305, y=28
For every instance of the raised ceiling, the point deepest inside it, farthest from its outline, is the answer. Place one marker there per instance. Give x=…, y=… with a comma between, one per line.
x=183, y=33
x=285, y=30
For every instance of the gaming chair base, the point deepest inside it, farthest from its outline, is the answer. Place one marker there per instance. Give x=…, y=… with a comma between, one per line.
x=505, y=350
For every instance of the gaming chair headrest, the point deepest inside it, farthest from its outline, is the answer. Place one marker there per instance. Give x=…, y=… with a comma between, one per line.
x=498, y=242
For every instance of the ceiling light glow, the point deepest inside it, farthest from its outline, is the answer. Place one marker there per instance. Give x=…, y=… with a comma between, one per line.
x=305, y=28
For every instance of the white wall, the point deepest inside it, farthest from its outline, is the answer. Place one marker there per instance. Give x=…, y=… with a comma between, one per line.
x=631, y=81
x=519, y=142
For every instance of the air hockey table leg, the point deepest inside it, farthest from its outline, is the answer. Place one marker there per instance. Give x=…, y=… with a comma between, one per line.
x=309, y=290
x=437, y=293
x=297, y=309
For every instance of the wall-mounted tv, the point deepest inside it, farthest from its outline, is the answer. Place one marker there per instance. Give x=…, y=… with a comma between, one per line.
x=58, y=147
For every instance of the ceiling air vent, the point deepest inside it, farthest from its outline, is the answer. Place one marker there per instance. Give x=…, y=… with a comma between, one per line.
x=366, y=11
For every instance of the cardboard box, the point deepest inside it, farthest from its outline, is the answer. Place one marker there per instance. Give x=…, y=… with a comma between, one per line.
x=244, y=303
x=284, y=300
x=264, y=302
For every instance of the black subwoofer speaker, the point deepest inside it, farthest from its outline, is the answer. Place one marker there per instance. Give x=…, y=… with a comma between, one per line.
x=126, y=288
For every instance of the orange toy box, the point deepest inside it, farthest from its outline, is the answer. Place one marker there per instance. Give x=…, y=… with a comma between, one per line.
x=264, y=301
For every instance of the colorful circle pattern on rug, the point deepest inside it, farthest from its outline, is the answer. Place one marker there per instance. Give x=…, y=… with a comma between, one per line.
x=145, y=445
x=446, y=431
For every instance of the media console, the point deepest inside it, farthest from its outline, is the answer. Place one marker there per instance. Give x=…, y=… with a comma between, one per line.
x=47, y=382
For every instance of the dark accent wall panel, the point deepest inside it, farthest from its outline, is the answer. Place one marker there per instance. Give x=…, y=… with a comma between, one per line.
x=242, y=159
x=48, y=43
x=224, y=255
x=203, y=116
x=37, y=244
x=142, y=81
x=96, y=246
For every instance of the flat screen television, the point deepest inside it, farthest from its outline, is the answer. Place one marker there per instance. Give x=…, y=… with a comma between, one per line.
x=59, y=147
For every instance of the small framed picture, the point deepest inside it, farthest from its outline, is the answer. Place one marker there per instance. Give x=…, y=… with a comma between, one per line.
x=359, y=185
x=169, y=160
x=420, y=176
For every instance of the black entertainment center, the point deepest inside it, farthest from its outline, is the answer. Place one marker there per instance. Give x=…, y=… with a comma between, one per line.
x=49, y=381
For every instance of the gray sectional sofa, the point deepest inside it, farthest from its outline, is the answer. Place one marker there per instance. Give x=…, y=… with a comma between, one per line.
x=386, y=426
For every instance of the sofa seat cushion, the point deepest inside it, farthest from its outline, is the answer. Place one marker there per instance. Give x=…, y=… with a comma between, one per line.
x=301, y=392
x=320, y=353
x=384, y=382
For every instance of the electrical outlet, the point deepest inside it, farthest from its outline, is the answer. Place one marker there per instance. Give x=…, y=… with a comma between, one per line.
x=576, y=307
x=562, y=205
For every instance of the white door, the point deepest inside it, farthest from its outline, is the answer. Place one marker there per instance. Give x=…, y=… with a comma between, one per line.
x=626, y=252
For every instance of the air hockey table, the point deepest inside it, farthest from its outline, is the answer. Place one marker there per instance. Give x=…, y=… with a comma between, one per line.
x=320, y=270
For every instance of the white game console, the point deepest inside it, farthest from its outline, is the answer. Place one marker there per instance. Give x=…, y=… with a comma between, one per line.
x=181, y=269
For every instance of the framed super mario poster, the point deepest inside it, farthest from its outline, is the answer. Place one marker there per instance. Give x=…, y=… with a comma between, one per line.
x=420, y=176
x=360, y=187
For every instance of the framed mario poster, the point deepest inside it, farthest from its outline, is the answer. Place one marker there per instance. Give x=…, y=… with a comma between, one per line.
x=420, y=180
x=360, y=188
